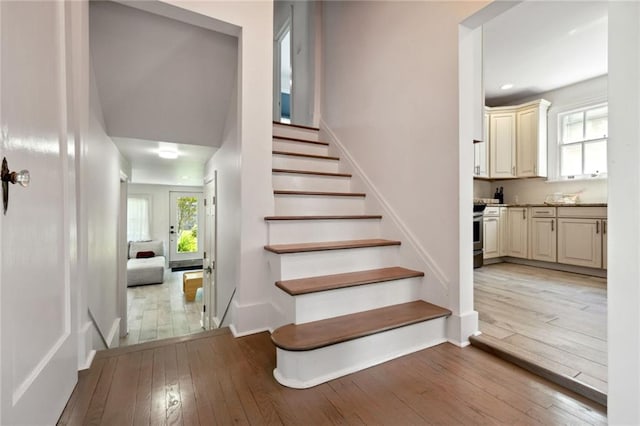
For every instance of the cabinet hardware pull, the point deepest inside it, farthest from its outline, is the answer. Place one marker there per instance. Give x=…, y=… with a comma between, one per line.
x=513, y=170
x=552, y=224
x=604, y=226
x=597, y=227
x=524, y=214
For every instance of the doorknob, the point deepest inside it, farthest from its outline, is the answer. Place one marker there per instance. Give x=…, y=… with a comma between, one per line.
x=209, y=270
x=22, y=177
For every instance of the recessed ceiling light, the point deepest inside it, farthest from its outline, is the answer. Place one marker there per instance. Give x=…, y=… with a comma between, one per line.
x=165, y=153
x=506, y=86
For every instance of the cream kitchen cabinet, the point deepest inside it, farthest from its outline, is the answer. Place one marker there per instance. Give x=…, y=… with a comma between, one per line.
x=502, y=144
x=491, y=232
x=481, y=153
x=531, y=139
x=518, y=231
x=543, y=234
x=504, y=231
x=580, y=242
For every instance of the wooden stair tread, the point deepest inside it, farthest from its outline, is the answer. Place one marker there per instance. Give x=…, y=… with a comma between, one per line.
x=318, y=334
x=298, y=154
x=287, y=138
x=350, y=279
x=311, y=172
x=300, y=126
x=329, y=245
x=319, y=193
x=327, y=217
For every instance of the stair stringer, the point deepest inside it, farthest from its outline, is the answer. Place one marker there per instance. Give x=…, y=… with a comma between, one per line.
x=412, y=254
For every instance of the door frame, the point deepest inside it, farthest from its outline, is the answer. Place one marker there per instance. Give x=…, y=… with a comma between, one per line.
x=279, y=35
x=123, y=255
x=209, y=317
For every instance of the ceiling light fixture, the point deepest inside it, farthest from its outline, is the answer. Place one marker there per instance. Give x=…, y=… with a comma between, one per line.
x=506, y=86
x=165, y=153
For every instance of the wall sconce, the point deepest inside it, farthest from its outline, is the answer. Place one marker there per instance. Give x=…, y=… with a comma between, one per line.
x=22, y=177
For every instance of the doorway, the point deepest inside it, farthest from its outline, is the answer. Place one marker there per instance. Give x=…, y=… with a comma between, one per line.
x=186, y=213
x=284, y=74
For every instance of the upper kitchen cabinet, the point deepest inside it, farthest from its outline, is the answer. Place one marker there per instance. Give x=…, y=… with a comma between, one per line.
x=481, y=152
x=518, y=140
x=531, y=139
x=502, y=144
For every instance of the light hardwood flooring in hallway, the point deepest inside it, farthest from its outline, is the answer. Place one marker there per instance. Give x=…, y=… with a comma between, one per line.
x=555, y=319
x=159, y=311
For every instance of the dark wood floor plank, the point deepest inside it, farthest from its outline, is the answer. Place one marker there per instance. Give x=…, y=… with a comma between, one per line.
x=78, y=405
x=120, y=407
x=144, y=389
x=224, y=380
x=100, y=394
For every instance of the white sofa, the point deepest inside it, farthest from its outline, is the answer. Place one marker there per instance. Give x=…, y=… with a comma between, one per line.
x=147, y=270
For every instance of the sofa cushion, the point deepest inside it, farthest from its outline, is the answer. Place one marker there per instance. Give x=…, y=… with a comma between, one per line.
x=156, y=246
x=145, y=271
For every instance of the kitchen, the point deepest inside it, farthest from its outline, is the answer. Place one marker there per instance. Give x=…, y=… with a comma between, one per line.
x=540, y=282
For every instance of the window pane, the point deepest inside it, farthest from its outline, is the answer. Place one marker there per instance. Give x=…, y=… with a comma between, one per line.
x=595, y=157
x=187, y=224
x=597, y=123
x=571, y=160
x=572, y=127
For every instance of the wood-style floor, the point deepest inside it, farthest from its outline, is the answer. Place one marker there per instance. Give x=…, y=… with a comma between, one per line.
x=160, y=311
x=557, y=320
x=214, y=379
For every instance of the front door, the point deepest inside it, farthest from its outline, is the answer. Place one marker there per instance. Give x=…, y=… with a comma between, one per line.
x=38, y=352
x=186, y=220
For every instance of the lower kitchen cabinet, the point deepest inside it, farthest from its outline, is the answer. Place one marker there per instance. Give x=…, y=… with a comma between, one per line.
x=504, y=231
x=491, y=235
x=517, y=232
x=580, y=242
x=543, y=239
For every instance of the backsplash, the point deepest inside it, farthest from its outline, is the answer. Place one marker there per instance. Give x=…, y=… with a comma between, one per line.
x=535, y=190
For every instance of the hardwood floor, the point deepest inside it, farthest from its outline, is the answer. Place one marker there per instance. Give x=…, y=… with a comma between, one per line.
x=214, y=379
x=556, y=320
x=160, y=311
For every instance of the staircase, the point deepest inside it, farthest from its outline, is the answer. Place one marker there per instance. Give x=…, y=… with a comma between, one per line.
x=344, y=302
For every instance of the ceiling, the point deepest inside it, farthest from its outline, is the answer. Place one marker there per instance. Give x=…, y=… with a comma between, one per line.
x=159, y=79
x=148, y=167
x=540, y=46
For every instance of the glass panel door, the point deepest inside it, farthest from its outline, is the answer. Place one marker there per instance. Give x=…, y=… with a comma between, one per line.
x=186, y=217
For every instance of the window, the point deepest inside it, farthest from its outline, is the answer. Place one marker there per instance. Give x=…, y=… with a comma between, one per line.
x=582, y=143
x=138, y=217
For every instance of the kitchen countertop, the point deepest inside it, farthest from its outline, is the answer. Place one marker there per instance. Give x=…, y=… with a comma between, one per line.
x=548, y=205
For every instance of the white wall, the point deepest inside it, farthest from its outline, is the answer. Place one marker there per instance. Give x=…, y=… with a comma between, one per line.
x=391, y=97
x=160, y=208
x=251, y=309
x=226, y=161
x=303, y=41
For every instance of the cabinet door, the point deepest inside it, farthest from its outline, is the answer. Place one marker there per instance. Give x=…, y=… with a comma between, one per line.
x=605, y=244
x=543, y=239
x=580, y=242
x=491, y=237
x=517, y=238
x=502, y=141
x=503, y=234
x=527, y=142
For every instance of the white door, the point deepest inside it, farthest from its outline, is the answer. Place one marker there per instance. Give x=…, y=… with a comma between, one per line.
x=209, y=262
x=186, y=219
x=38, y=325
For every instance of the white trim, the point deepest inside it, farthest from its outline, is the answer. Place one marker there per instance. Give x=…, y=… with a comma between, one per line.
x=113, y=338
x=460, y=327
x=85, y=346
x=389, y=212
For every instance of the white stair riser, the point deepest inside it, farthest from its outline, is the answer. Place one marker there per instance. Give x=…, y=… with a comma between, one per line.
x=307, y=231
x=302, y=163
x=304, y=369
x=350, y=300
x=292, y=205
x=311, y=182
x=303, y=148
x=294, y=132
x=327, y=262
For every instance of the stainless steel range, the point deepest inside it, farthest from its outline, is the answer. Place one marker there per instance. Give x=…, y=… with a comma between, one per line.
x=478, y=240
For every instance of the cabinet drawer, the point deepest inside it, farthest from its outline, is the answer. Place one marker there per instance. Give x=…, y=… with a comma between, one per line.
x=492, y=211
x=543, y=211
x=597, y=212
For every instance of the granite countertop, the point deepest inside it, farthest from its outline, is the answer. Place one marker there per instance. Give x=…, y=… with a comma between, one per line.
x=548, y=205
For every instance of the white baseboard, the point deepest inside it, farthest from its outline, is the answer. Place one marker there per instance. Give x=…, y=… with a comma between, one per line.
x=85, y=346
x=460, y=327
x=250, y=318
x=113, y=338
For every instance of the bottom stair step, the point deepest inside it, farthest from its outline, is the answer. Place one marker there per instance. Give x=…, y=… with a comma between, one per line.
x=313, y=353
x=317, y=334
